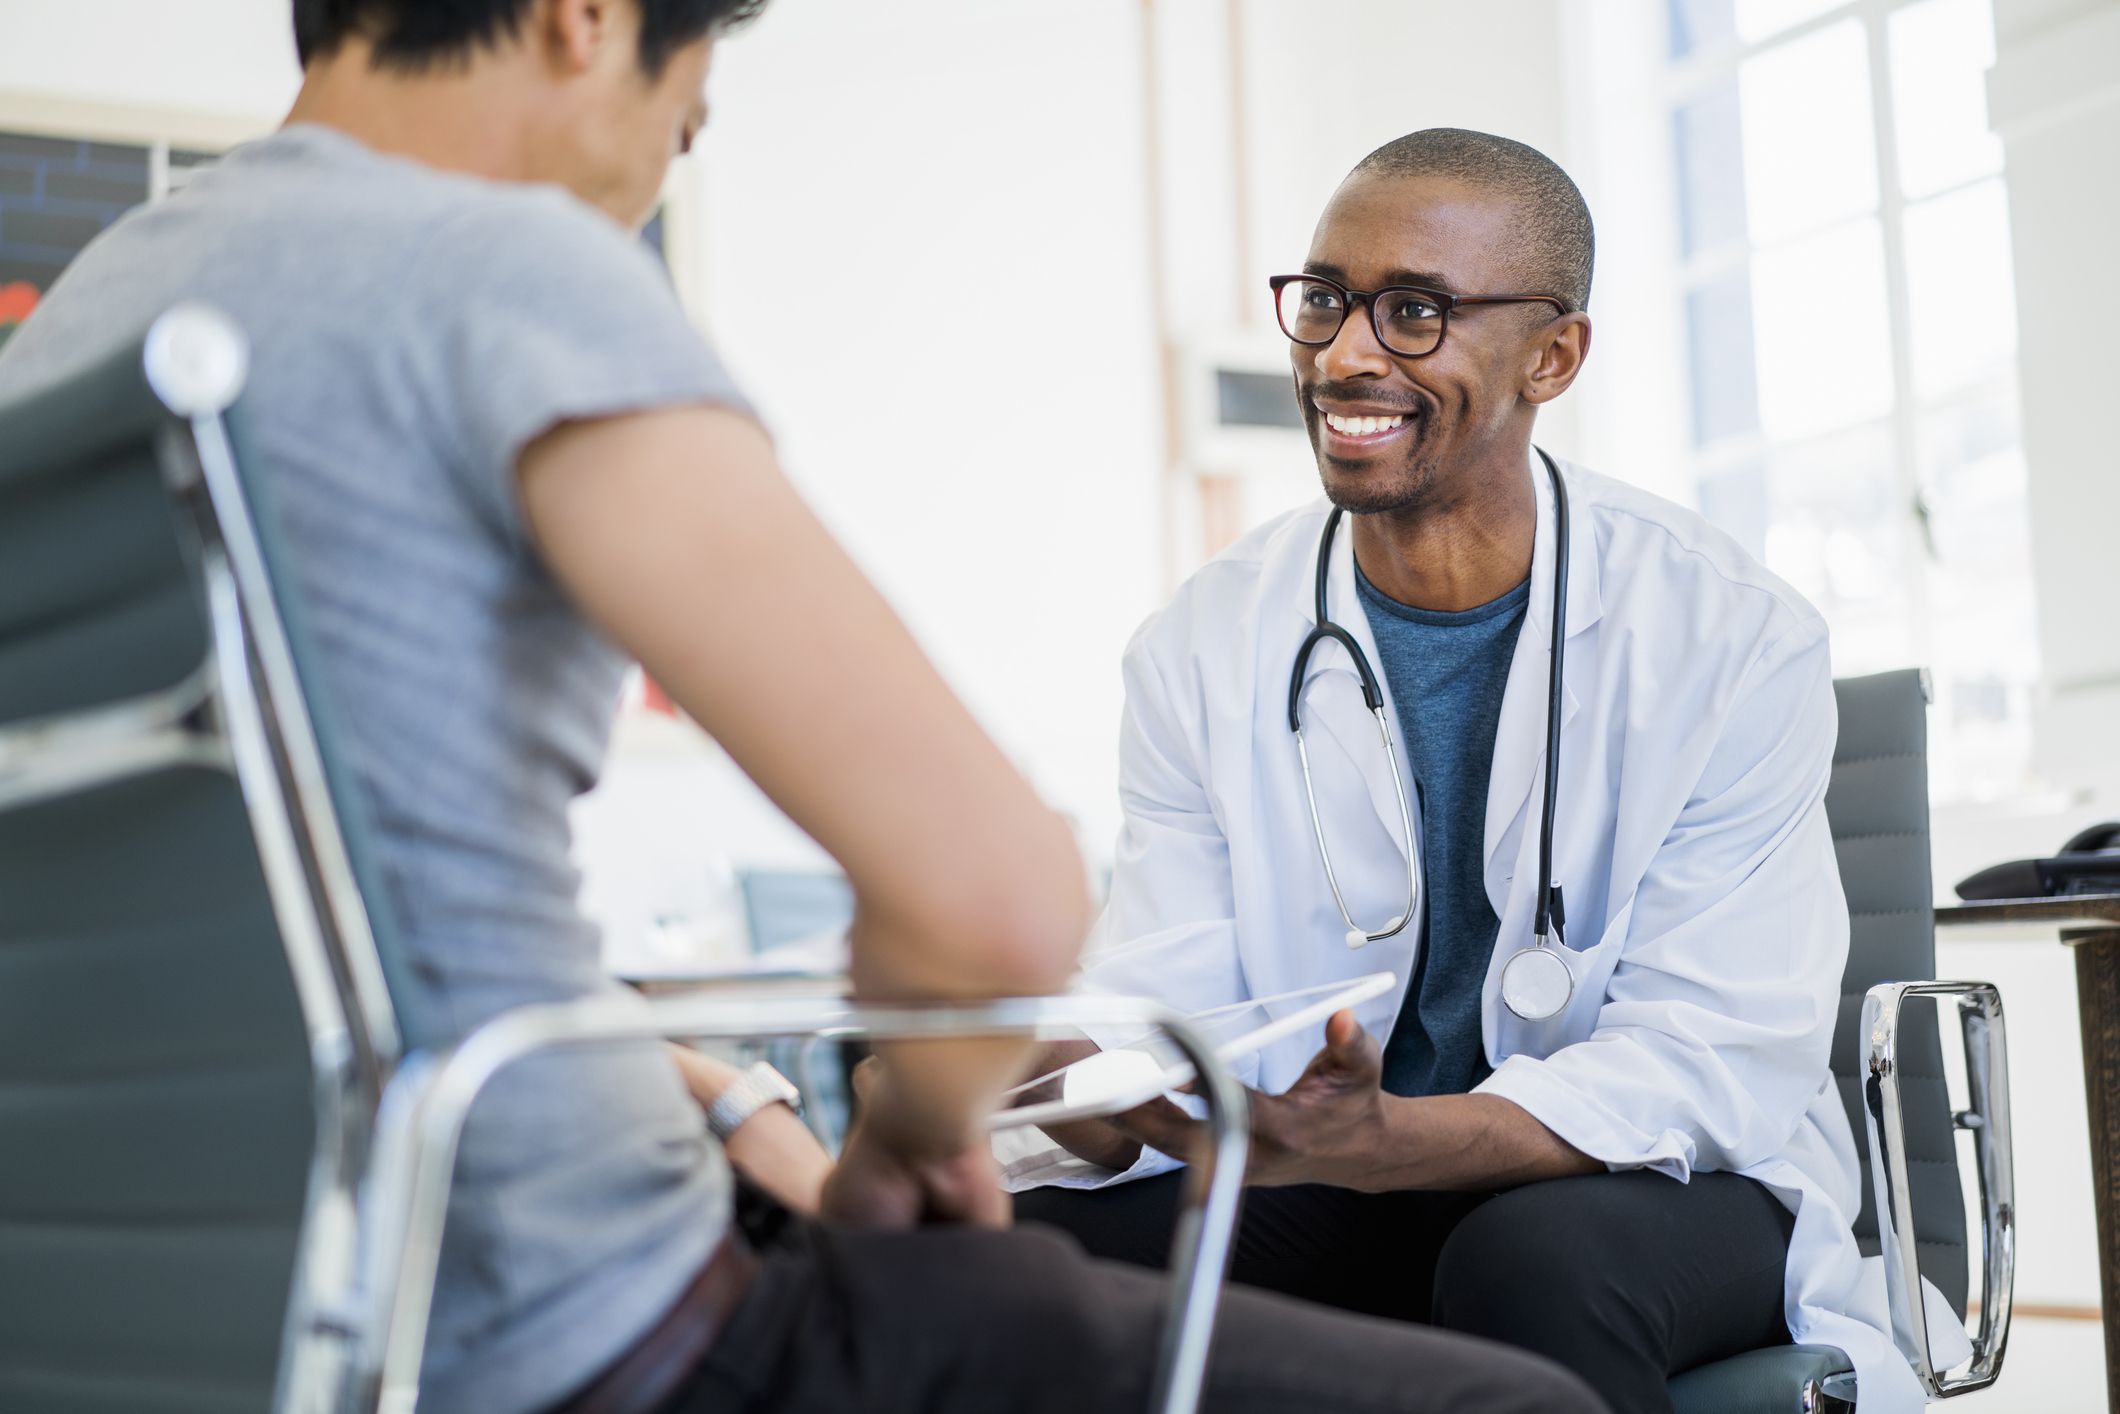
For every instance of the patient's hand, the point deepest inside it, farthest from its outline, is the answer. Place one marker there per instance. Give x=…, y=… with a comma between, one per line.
x=895, y=1173
x=772, y=1148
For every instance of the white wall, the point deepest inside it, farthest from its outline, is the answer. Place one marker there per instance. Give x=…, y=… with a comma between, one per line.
x=222, y=58
x=926, y=256
x=1007, y=480
x=1631, y=399
x=2055, y=98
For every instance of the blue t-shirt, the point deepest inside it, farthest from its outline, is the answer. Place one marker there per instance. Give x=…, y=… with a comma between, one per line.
x=1447, y=672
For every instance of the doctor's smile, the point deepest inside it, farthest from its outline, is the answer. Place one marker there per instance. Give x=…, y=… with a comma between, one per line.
x=1351, y=429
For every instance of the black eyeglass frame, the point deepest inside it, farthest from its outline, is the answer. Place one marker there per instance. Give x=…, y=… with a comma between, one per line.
x=1443, y=300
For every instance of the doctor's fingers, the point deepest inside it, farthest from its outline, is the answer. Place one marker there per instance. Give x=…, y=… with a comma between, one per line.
x=1276, y=1157
x=1350, y=1053
x=1160, y=1125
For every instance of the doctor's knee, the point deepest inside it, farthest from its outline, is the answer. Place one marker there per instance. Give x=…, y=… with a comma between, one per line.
x=1515, y=1267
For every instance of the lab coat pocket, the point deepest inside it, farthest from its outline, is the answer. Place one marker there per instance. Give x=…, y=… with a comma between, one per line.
x=1609, y=938
x=1591, y=964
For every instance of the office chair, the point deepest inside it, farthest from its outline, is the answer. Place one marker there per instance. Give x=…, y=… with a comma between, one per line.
x=1888, y=1063
x=228, y=1130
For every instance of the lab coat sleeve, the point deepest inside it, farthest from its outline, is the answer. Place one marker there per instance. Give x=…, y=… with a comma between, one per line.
x=1169, y=927
x=1714, y=1035
x=1168, y=930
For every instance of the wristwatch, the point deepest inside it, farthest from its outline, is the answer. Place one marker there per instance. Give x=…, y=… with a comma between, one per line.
x=749, y=1093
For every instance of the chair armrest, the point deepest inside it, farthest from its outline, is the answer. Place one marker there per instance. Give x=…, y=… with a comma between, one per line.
x=1988, y=1083
x=405, y=1197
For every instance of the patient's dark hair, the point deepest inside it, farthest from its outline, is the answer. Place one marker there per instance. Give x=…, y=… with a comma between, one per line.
x=1555, y=246
x=420, y=34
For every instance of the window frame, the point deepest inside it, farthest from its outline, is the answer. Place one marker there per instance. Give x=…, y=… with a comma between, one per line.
x=1715, y=66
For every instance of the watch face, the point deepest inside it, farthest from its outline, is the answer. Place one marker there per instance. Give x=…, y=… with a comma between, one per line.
x=778, y=1086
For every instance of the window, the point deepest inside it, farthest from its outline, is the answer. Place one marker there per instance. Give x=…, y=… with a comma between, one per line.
x=55, y=196
x=58, y=193
x=1850, y=341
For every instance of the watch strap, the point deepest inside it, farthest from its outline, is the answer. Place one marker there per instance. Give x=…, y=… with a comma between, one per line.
x=754, y=1090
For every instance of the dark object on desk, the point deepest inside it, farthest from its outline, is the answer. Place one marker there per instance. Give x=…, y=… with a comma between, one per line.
x=2088, y=864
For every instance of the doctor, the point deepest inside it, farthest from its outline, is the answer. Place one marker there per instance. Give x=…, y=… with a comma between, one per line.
x=1620, y=1147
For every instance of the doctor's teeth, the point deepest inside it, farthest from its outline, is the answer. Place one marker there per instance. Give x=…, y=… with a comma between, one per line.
x=1361, y=426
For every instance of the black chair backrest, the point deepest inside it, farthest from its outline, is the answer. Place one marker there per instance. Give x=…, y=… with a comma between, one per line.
x=1878, y=806
x=163, y=1043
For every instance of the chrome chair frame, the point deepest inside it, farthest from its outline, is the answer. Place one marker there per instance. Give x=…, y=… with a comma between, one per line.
x=427, y=1104
x=388, y=1122
x=1988, y=1118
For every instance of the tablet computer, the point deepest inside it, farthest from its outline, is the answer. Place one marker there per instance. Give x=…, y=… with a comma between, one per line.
x=1113, y=1081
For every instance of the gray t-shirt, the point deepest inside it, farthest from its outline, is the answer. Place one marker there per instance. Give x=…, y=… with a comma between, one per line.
x=411, y=331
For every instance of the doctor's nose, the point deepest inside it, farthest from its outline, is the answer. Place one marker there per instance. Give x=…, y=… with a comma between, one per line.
x=1354, y=352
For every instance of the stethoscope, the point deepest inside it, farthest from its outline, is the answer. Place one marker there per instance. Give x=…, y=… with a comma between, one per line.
x=1536, y=982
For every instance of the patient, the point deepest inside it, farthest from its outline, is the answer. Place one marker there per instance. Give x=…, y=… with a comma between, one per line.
x=505, y=466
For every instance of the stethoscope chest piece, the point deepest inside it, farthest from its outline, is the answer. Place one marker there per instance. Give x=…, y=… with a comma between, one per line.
x=1536, y=983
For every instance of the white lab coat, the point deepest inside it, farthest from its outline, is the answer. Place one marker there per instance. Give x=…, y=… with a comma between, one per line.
x=1706, y=927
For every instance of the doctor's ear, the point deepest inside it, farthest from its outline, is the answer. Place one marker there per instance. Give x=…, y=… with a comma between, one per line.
x=1555, y=356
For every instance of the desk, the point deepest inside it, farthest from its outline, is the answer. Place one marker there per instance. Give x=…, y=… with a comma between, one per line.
x=2089, y=923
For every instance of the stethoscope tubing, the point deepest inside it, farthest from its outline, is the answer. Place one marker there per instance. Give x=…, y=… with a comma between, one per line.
x=1550, y=915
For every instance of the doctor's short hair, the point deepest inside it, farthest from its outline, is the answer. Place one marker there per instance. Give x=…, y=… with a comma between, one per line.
x=1556, y=245
x=415, y=35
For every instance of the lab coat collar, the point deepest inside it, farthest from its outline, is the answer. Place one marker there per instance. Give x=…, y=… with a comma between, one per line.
x=1332, y=698
x=1520, y=737
x=1585, y=598
x=1585, y=603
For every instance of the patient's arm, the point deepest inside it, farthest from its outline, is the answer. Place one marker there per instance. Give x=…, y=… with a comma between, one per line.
x=772, y=1148
x=676, y=532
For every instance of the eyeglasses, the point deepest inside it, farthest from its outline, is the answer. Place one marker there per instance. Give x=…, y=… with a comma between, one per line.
x=1409, y=321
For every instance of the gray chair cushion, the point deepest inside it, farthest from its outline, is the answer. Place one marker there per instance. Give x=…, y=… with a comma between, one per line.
x=157, y=1116
x=96, y=601
x=1757, y=1382
x=156, y=1098
x=1877, y=804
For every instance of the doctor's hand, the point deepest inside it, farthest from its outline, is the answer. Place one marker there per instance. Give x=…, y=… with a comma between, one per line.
x=1324, y=1128
x=1097, y=1140
x=898, y=1172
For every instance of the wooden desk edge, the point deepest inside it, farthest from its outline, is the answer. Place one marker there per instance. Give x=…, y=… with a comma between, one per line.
x=2072, y=914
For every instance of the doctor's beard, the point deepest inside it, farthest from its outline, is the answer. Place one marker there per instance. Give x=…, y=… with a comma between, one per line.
x=1376, y=485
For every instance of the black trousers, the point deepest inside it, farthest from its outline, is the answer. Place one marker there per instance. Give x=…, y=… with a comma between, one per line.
x=1625, y=1278
x=964, y=1321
